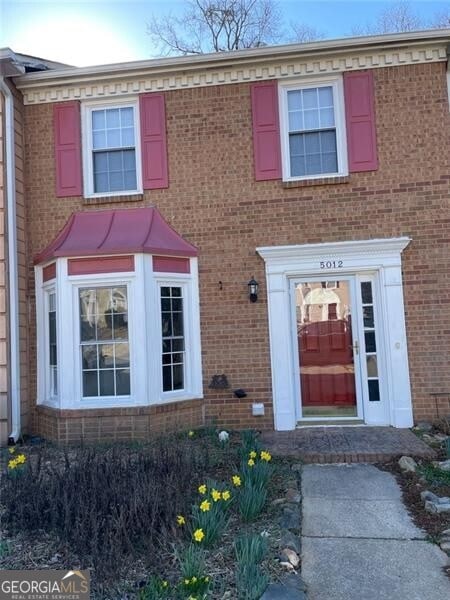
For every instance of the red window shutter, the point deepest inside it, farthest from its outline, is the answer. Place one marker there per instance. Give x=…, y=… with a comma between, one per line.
x=67, y=132
x=266, y=130
x=153, y=141
x=360, y=118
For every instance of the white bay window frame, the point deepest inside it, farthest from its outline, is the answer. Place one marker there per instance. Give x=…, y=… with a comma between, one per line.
x=337, y=85
x=144, y=335
x=87, y=108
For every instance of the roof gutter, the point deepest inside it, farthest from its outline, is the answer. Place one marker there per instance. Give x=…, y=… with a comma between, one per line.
x=253, y=56
x=13, y=279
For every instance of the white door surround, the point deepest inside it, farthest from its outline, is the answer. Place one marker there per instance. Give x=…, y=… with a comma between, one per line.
x=381, y=257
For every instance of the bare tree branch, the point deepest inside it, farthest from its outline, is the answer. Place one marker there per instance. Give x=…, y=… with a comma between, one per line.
x=217, y=26
x=397, y=18
x=304, y=33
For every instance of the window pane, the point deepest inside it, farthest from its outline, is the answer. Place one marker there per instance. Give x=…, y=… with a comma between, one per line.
x=89, y=357
x=127, y=117
x=298, y=167
x=296, y=121
x=368, y=316
x=99, y=140
x=327, y=117
x=370, y=341
x=128, y=136
x=115, y=161
x=120, y=322
x=98, y=119
x=326, y=96
x=129, y=182
x=366, y=292
x=167, y=378
x=90, y=385
x=178, y=377
x=175, y=292
x=123, y=382
x=329, y=163
x=105, y=364
x=106, y=356
x=372, y=367
x=104, y=326
x=294, y=98
x=313, y=164
x=101, y=182
x=310, y=98
x=112, y=118
x=116, y=181
x=311, y=119
x=107, y=383
x=328, y=141
x=122, y=356
x=312, y=143
x=177, y=320
x=374, y=390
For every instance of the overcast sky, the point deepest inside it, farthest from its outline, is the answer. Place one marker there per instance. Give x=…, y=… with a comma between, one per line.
x=107, y=31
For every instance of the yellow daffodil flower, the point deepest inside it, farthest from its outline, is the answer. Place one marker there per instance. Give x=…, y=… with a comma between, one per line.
x=187, y=581
x=191, y=433
x=251, y=462
x=266, y=456
x=181, y=520
x=216, y=495
x=194, y=579
x=202, y=489
x=206, y=579
x=165, y=584
x=253, y=454
x=11, y=450
x=205, y=506
x=226, y=495
x=198, y=535
x=236, y=480
x=12, y=464
x=21, y=459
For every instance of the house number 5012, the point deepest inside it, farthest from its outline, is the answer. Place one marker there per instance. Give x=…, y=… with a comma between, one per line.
x=331, y=264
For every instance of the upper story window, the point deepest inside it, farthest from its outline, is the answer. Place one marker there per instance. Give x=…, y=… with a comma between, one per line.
x=313, y=129
x=111, y=148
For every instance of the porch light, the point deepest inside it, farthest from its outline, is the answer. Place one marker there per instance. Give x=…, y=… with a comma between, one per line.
x=253, y=290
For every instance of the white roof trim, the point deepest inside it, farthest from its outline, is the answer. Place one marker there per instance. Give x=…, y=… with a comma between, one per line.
x=255, y=64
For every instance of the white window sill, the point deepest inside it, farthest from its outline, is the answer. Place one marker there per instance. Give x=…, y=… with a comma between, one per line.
x=107, y=404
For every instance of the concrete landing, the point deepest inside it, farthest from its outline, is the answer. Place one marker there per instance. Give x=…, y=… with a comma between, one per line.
x=345, y=444
x=358, y=541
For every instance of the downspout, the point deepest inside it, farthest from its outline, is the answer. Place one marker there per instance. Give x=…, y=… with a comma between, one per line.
x=13, y=279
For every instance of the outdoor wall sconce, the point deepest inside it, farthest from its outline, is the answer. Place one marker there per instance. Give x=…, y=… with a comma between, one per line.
x=240, y=393
x=253, y=290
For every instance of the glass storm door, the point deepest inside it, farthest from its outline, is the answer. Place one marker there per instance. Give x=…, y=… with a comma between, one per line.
x=327, y=351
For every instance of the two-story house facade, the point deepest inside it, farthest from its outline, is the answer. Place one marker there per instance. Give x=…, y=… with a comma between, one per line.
x=248, y=239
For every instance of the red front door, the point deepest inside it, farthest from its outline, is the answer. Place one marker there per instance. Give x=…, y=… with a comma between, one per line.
x=325, y=348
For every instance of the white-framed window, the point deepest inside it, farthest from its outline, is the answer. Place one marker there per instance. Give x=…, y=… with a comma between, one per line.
x=312, y=126
x=52, y=344
x=173, y=337
x=123, y=339
x=111, y=149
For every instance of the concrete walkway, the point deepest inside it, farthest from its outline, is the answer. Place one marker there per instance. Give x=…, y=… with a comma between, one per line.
x=358, y=541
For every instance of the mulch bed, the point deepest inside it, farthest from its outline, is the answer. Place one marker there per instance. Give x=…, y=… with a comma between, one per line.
x=45, y=551
x=412, y=485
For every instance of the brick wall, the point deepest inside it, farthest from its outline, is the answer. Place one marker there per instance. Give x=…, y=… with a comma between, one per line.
x=215, y=203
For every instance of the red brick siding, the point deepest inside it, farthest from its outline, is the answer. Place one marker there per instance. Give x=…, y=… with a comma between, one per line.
x=215, y=203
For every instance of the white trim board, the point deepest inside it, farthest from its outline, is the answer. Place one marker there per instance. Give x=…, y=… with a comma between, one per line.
x=379, y=256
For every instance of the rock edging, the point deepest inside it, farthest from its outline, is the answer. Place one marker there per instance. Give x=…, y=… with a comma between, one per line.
x=291, y=586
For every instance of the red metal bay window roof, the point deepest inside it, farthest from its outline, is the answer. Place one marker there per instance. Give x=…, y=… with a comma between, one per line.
x=122, y=231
